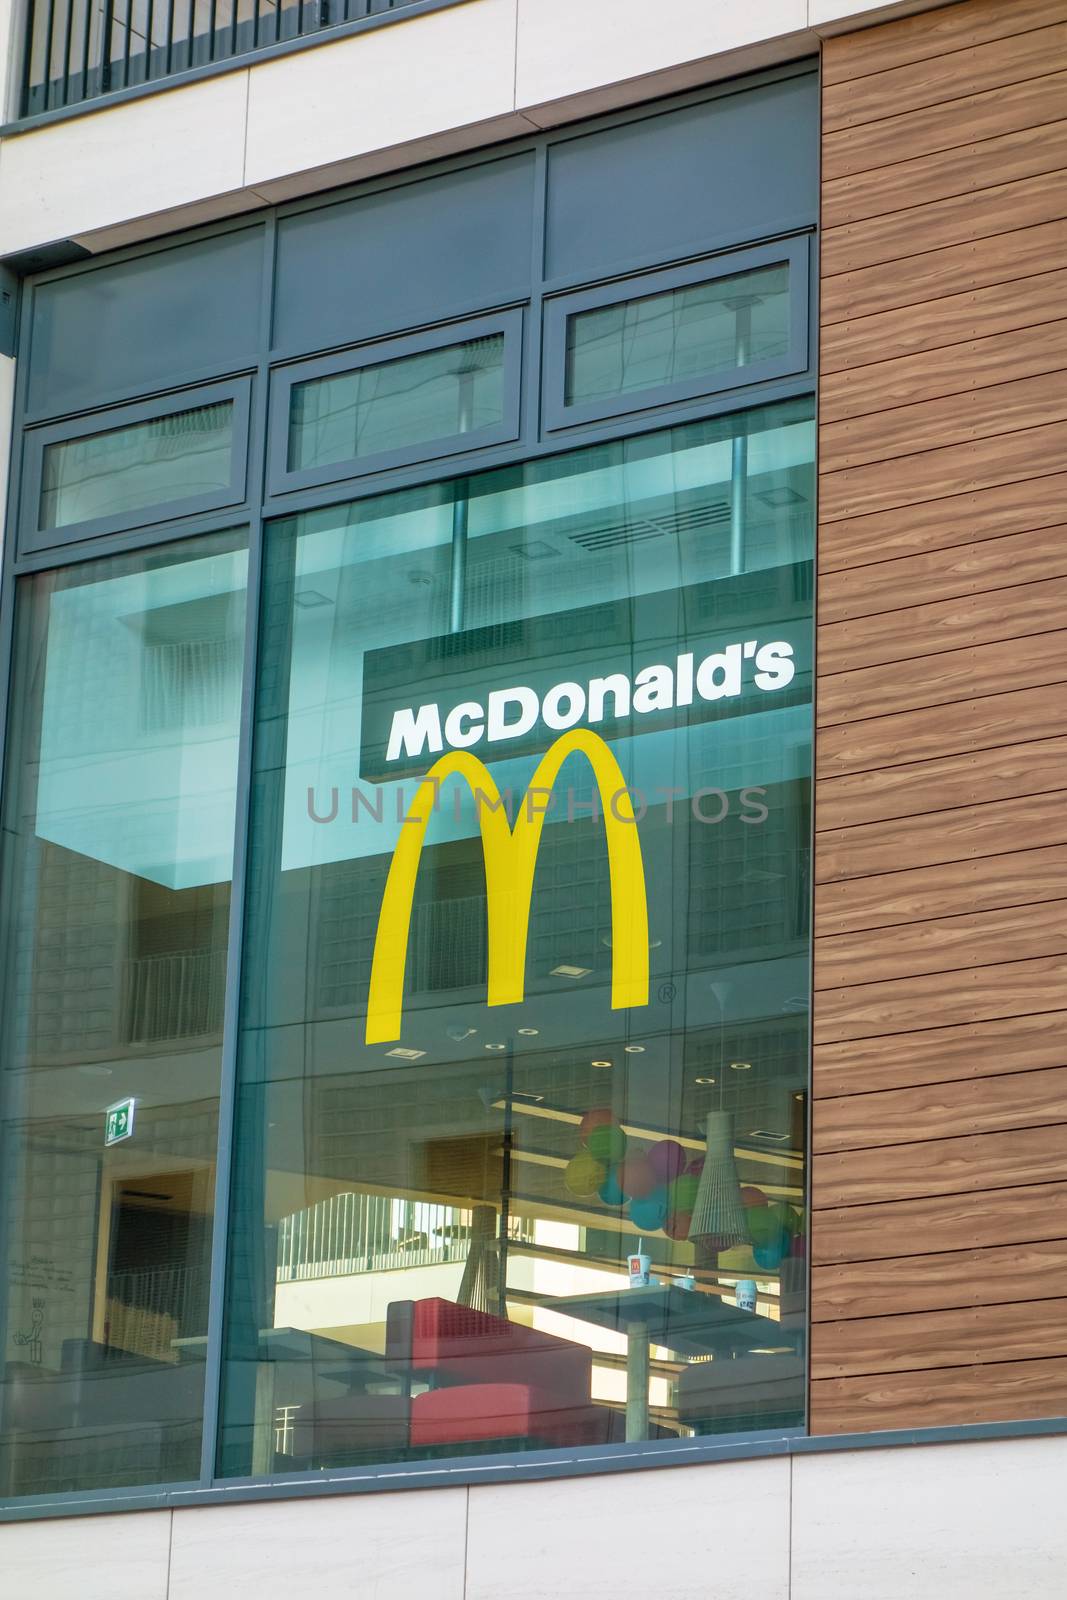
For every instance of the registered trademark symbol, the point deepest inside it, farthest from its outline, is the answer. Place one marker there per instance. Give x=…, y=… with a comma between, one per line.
x=667, y=992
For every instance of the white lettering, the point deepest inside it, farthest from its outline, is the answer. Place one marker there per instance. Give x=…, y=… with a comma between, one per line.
x=711, y=685
x=413, y=732
x=497, y=726
x=774, y=665
x=570, y=694
x=654, y=689
x=464, y=725
x=618, y=686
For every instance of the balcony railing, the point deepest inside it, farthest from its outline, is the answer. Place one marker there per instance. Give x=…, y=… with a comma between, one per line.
x=77, y=50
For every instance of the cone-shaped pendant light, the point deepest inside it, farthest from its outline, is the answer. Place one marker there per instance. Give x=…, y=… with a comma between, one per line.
x=719, y=1211
x=479, y=1286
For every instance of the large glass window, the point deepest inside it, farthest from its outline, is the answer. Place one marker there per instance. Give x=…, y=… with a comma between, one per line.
x=118, y=825
x=520, y=1145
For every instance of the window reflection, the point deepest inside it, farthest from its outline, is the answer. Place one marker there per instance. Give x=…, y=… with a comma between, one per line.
x=148, y=464
x=433, y=1232
x=118, y=828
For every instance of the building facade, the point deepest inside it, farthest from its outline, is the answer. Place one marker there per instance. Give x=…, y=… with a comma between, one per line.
x=533, y=980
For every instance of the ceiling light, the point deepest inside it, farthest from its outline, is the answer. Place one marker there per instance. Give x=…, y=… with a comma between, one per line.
x=600, y=1063
x=634, y=1049
x=406, y=1055
x=496, y=1047
x=529, y=1033
x=703, y=1080
x=564, y=971
x=779, y=497
x=740, y=1066
x=534, y=550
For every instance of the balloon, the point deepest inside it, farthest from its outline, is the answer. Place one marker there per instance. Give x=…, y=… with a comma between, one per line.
x=609, y=1192
x=763, y=1224
x=637, y=1177
x=753, y=1196
x=584, y=1174
x=768, y=1256
x=667, y=1159
x=683, y=1193
x=649, y=1213
x=785, y=1217
x=607, y=1142
x=597, y=1118
x=678, y=1224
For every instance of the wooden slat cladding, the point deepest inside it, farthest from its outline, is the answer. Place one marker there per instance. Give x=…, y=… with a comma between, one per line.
x=940, y=1110
x=873, y=852
x=988, y=1275
x=962, y=1336
x=967, y=569
x=925, y=37
x=960, y=519
x=939, y=1117
x=953, y=269
x=917, y=134
x=947, y=677
x=940, y=1223
x=949, y=889
x=910, y=330
x=909, y=380
x=849, y=102
x=947, y=1397
x=939, y=1054
x=946, y=174
x=920, y=788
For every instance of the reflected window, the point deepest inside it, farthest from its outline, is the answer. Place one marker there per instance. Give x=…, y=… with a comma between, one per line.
x=691, y=332
x=520, y=1156
x=118, y=822
x=116, y=471
x=386, y=406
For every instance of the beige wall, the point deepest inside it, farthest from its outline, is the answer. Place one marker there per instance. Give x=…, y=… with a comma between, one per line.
x=979, y=1521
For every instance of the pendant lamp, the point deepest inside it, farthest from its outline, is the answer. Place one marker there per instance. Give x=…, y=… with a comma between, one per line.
x=718, y=1210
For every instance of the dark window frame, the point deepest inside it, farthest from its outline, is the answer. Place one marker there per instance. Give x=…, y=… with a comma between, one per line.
x=285, y=480
x=557, y=414
x=34, y=538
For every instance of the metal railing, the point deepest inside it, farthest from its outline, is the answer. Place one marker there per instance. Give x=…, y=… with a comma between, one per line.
x=79, y=49
x=353, y=1233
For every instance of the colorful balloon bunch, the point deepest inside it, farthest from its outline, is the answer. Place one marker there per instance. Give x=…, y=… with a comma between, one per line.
x=658, y=1186
x=773, y=1227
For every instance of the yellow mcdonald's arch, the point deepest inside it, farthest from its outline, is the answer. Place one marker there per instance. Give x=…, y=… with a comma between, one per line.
x=510, y=858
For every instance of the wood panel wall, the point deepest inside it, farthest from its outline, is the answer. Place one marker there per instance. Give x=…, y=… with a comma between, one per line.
x=939, y=1176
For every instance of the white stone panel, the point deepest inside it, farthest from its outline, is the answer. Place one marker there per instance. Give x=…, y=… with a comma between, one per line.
x=980, y=1521
x=143, y=156
x=566, y=49
x=122, y=1557
x=384, y=87
x=690, y=1533
x=405, y=1546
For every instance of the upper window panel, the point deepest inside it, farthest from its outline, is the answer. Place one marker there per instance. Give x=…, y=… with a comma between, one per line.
x=126, y=469
x=167, y=458
x=676, y=335
x=404, y=401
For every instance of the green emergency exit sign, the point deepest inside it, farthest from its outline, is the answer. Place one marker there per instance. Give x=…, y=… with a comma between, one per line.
x=118, y=1121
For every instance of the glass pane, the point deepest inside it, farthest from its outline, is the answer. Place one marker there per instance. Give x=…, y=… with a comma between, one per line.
x=692, y=332
x=394, y=404
x=117, y=847
x=451, y=1144
x=148, y=464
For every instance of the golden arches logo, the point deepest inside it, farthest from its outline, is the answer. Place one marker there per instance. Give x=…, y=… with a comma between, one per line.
x=510, y=856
